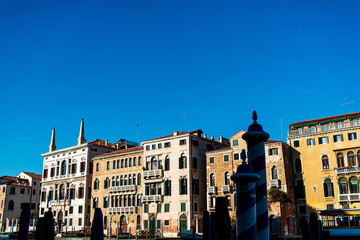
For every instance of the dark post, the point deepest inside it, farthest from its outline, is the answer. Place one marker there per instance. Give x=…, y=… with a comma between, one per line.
x=206, y=225
x=48, y=226
x=97, y=228
x=315, y=226
x=223, y=223
x=305, y=229
x=24, y=222
x=39, y=229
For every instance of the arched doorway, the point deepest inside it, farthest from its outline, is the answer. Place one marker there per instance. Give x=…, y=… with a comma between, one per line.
x=60, y=219
x=123, y=224
x=183, y=223
x=152, y=222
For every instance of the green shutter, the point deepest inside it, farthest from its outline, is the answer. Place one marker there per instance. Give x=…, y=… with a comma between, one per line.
x=169, y=190
x=180, y=163
x=180, y=181
x=185, y=183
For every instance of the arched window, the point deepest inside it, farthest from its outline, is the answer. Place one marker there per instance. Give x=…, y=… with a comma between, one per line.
x=121, y=202
x=274, y=173
x=343, y=186
x=351, y=159
x=11, y=205
x=121, y=183
x=63, y=167
x=354, y=185
x=113, y=183
x=153, y=163
x=130, y=180
x=97, y=167
x=114, y=164
x=62, y=192
x=139, y=179
x=130, y=162
x=182, y=161
x=105, y=222
x=139, y=161
x=134, y=179
x=328, y=188
x=167, y=191
x=129, y=200
x=118, y=181
x=227, y=178
x=340, y=160
x=126, y=162
x=138, y=200
x=134, y=161
x=122, y=163
x=167, y=163
x=125, y=180
x=96, y=184
x=118, y=164
x=358, y=158
x=298, y=167
x=107, y=183
x=212, y=179
x=325, y=162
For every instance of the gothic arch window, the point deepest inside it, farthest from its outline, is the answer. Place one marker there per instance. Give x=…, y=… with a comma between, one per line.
x=121, y=181
x=96, y=184
x=134, y=161
x=126, y=162
x=130, y=180
x=354, y=185
x=130, y=162
x=351, y=159
x=274, y=173
x=63, y=168
x=298, y=167
x=182, y=161
x=154, y=163
x=118, y=164
x=122, y=163
x=97, y=167
x=139, y=161
x=325, y=162
x=134, y=179
x=167, y=163
x=212, y=179
x=118, y=181
x=62, y=192
x=114, y=164
x=139, y=179
x=343, y=186
x=107, y=183
x=340, y=160
x=113, y=183
x=328, y=188
x=125, y=180
x=227, y=178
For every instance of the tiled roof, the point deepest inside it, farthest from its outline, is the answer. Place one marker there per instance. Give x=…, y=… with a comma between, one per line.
x=326, y=118
x=33, y=175
x=272, y=141
x=9, y=178
x=220, y=149
x=179, y=133
x=17, y=184
x=103, y=143
x=133, y=149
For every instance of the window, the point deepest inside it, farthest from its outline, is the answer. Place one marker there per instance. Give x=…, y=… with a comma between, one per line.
x=108, y=165
x=354, y=185
x=153, y=146
x=139, y=179
x=96, y=184
x=340, y=160
x=182, y=162
x=343, y=187
x=330, y=206
x=80, y=209
x=274, y=173
x=159, y=208
x=63, y=168
x=299, y=189
x=97, y=167
x=146, y=208
x=147, y=147
x=167, y=191
x=212, y=179
x=325, y=162
x=328, y=188
x=323, y=140
x=235, y=142
x=167, y=207
x=236, y=156
x=226, y=158
x=139, y=161
x=81, y=192
x=107, y=183
x=352, y=136
x=345, y=206
x=45, y=173
x=351, y=159
x=194, y=162
x=118, y=163
x=22, y=191
x=298, y=167
x=195, y=143
x=146, y=224
x=52, y=172
x=166, y=222
x=183, y=186
x=105, y=202
x=183, y=207
x=195, y=186
x=310, y=141
x=11, y=205
x=338, y=138
x=182, y=142
x=167, y=144
x=273, y=151
x=12, y=190
x=130, y=162
x=296, y=143
x=158, y=224
x=195, y=207
x=82, y=167
x=159, y=145
x=211, y=160
x=227, y=178
x=95, y=202
x=167, y=163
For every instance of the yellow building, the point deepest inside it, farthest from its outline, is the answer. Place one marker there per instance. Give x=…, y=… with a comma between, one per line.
x=326, y=158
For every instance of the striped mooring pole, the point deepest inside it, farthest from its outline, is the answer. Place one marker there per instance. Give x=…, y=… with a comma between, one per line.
x=245, y=179
x=255, y=139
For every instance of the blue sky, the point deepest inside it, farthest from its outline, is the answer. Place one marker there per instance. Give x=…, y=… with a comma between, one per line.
x=122, y=63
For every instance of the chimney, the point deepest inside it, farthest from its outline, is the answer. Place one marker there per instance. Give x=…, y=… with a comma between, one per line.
x=176, y=133
x=212, y=138
x=106, y=142
x=221, y=139
x=204, y=135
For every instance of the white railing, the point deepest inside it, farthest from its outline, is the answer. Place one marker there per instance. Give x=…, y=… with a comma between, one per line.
x=212, y=190
x=152, y=198
x=274, y=183
x=60, y=202
x=126, y=188
x=353, y=197
x=324, y=128
x=226, y=188
x=122, y=210
x=153, y=173
x=347, y=170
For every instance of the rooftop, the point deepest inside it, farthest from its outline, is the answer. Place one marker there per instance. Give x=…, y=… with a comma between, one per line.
x=33, y=175
x=127, y=150
x=325, y=119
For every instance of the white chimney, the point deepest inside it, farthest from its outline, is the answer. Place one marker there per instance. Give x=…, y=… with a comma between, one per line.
x=176, y=133
x=204, y=135
x=212, y=138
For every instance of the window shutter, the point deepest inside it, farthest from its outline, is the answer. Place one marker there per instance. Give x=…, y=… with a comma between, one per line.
x=185, y=162
x=180, y=181
x=325, y=190
x=180, y=163
x=185, y=183
x=169, y=190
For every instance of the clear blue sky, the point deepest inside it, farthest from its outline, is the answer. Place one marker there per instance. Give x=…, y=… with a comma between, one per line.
x=119, y=63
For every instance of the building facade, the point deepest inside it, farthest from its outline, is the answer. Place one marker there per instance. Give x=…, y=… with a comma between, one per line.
x=117, y=189
x=326, y=161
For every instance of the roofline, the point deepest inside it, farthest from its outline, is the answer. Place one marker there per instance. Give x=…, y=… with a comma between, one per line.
x=325, y=118
x=105, y=156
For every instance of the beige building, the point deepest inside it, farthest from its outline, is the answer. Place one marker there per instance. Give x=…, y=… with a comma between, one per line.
x=174, y=181
x=117, y=189
x=326, y=160
x=14, y=192
x=222, y=163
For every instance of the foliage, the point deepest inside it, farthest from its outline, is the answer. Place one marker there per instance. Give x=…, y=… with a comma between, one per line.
x=275, y=194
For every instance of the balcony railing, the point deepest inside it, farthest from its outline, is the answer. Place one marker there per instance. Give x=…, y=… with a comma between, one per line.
x=212, y=190
x=122, y=210
x=347, y=170
x=127, y=188
x=275, y=183
x=60, y=202
x=324, y=128
x=226, y=188
x=349, y=197
x=153, y=173
x=152, y=198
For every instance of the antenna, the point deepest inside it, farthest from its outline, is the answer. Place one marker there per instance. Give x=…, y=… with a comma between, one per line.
x=185, y=115
x=137, y=132
x=281, y=124
x=348, y=103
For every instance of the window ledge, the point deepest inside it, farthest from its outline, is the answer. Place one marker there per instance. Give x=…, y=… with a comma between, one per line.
x=329, y=197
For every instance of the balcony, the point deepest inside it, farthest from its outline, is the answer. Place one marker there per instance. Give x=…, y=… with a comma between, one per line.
x=60, y=202
x=152, y=198
x=275, y=183
x=158, y=173
x=324, y=128
x=212, y=190
x=122, y=210
x=350, y=197
x=127, y=188
x=226, y=188
x=347, y=170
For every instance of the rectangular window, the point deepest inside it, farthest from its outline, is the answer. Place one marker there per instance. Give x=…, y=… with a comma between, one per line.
x=166, y=222
x=146, y=223
x=52, y=172
x=158, y=224
x=45, y=174
x=273, y=151
x=235, y=142
x=329, y=206
x=146, y=208
x=70, y=222
x=153, y=146
x=338, y=138
x=167, y=207
x=195, y=143
x=296, y=143
x=12, y=190
x=147, y=147
x=183, y=142
x=183, y=207
x=159, y=208
x=323, y=140
x=211, y=160
x=310, y=141
x=194, y=163
x=159, y=145
x=167, y=164
x=71, y=210
x=352, y=136
x=196, y=186
x=81, y=192
x=183, y=186
x=167, y=144
x=22, y=191
x=82, y=167
x=80, y=222
x=236, y=156
x=226, y=158
x=73, y=168
x=80, y=209
x=195, y=207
